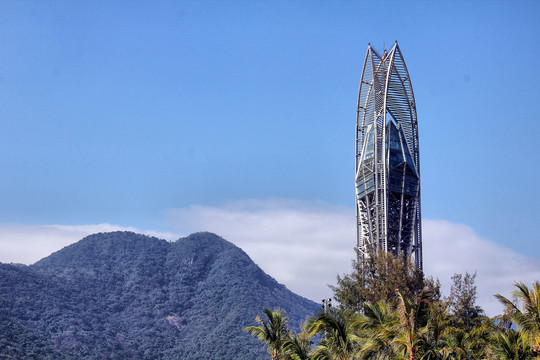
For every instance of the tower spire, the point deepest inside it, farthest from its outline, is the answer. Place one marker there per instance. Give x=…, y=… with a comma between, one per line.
x=387, y=159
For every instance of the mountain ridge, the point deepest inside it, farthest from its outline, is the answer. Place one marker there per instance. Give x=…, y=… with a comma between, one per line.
x=122, y=294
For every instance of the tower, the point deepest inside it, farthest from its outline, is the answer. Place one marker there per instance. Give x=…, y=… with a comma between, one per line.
x=387, y=159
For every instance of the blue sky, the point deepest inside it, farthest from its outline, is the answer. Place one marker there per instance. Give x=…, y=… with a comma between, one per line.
x=131, y=112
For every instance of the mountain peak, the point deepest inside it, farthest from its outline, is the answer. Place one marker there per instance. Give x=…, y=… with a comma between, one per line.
x=132, y=295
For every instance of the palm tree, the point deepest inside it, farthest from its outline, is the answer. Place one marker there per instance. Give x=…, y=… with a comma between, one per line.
x=412, y=323
x=457, y=345
x=414, y=329
x=339, y=341
x=436, y=335
x=298, y=346
x=478, y=338
x=463, y=344
x=377, y=326
x=271, y=333
x=511, y=345
x=527, y=318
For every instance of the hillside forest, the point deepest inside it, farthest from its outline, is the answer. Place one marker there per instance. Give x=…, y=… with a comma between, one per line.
x=122, y=295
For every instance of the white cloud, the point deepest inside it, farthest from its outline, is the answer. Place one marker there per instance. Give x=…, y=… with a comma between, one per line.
x=303, y=245
x=454, y=248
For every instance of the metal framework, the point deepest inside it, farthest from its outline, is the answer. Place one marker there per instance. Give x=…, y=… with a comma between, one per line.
x=387, y=159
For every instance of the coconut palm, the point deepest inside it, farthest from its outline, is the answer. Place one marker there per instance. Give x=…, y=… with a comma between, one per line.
x=377, y=325
x=272, y=333
x=462, y=344
x=478, y=338
x=457, y=345
x=298, y=346
x=412, y=324
x=528, y=317
x=511, y=345
x=339, y=341
x=436, y=334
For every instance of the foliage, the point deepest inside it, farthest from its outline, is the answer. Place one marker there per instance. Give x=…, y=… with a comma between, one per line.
x=377, y=325
x=339, y=340
x=412, y=323
x=462, y=299
x=298, y=346
x=424, y=328
x=527, y=318
x=377, y=279
x=511, y=345
x=271, y=332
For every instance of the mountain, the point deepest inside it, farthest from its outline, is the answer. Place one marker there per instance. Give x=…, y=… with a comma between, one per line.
x=125, y=295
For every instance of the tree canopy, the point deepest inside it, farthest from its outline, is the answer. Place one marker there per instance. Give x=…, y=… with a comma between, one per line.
x=377, y=278
x=422, y=328
x=387, y=310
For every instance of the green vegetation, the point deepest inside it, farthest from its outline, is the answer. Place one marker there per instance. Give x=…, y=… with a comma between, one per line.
x=413, y=322
x=526, y=318
x=122, y=295
x=271, y=332
x=377, y=280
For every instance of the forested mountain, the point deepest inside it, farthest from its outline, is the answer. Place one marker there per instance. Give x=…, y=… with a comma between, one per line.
x=124, y=295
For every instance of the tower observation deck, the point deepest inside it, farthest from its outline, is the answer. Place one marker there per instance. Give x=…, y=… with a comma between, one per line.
x=387, y=159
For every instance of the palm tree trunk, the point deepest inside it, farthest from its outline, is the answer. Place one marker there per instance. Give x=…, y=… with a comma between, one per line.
x=412, y=353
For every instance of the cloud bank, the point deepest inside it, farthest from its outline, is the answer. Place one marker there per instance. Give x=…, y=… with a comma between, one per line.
x=455, y=248
x=26, y=244
x=303, y=245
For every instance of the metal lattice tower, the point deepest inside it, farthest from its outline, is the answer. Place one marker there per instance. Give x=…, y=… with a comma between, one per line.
x=387, y=159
